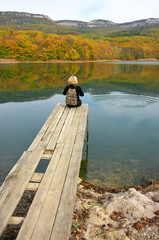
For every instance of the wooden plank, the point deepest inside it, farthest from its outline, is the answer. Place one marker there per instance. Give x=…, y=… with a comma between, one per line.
x=51, y=203
x=32, y=186
x=43, y=130
x=16, y=220
x=63, y=126
x=48, y=153
x=11, y=178
x=37, y=177
x=66, y=205
x=28, y=226
x=44, y=136
x=52, y=143
x=20, y=179
x=46, y=156
x=53, y=124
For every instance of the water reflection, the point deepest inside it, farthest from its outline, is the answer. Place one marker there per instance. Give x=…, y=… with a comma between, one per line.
x=23, y=96
x=123, y=116
x=96, y=78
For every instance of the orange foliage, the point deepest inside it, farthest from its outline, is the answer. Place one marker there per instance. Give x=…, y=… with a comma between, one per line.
x=34, y=45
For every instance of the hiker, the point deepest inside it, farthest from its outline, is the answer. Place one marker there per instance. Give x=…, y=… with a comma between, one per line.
x=72, y=92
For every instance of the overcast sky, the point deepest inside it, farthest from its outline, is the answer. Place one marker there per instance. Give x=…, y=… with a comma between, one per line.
x=118, y=11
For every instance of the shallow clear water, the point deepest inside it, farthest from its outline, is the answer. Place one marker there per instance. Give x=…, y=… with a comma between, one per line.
x=123, y=116
x=124, y=139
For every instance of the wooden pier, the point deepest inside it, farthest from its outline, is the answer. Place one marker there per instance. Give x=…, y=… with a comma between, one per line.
x=50, y=215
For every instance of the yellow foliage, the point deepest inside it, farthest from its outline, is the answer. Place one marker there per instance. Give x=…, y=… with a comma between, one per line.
x=34, y=45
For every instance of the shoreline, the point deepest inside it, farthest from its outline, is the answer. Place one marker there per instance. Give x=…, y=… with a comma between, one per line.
x=126, y=214
x=5, y=61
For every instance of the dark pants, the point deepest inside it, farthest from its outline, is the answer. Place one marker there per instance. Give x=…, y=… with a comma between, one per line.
x=77, y=105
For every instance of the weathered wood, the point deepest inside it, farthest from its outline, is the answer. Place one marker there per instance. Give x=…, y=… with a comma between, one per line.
x=16, y=220
x=51, y=203
x=20, y=179
x=43, y=130
x=46, y=156
x=52, y=143
x=28, y=226
x=32, y=186
x=37, y=177
x=48, y=153
x=11, y=178
x=53, y=125
x=61, y=139
x=65, y=209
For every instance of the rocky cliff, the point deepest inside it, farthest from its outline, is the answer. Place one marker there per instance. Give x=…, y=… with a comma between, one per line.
x=106, y=23
x=20, y=18
x=23, y=14
x=81, y=24
x=72, y=23
x=143, y=22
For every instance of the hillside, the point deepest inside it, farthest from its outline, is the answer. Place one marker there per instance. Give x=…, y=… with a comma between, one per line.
x=35, y=45
x=28, y=21
x=91, y=24
x=40, y=22
x=22, y=18
x=106, y=23
x=34, y=37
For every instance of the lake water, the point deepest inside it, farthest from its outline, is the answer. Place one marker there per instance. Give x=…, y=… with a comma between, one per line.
x=123, y=103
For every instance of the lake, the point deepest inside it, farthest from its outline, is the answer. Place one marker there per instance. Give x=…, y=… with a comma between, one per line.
x=123, y=100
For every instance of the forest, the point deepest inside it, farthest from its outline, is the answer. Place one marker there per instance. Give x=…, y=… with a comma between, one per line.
x=33, y=45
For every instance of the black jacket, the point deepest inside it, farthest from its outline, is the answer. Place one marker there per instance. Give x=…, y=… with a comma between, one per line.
x=78, y=90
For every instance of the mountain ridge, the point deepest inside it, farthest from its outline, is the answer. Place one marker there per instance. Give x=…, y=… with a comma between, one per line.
x=24, y=14
x=22, y=18
x=16, y=18
x=107, y=23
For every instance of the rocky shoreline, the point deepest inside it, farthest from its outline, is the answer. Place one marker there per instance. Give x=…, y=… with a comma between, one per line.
x=121, y=213
x=106, y=213
x=5, y=61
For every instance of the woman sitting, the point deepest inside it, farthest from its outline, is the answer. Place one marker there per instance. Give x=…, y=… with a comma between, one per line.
x=72, y=92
